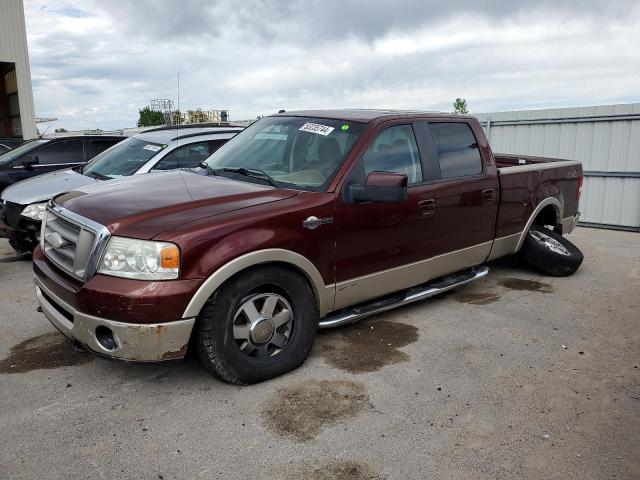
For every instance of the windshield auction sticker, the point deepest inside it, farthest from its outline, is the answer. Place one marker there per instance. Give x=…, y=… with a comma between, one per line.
x=316, y=128
x=153, y=148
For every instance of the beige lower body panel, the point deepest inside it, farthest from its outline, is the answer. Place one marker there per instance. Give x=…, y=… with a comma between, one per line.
x=135, y=342
x=361, y=289
x=504, y=246
x=569, y=224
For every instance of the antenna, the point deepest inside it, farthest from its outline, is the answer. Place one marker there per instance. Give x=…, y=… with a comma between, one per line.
x=178, y=110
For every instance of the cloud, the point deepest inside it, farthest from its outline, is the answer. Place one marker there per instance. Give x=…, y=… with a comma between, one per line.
x=94, y=63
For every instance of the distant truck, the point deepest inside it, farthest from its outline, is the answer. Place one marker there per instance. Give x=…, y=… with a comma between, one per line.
x=304, y=220
x=22, y=205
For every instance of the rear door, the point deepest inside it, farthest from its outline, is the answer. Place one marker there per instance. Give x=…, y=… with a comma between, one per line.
x=462, y=186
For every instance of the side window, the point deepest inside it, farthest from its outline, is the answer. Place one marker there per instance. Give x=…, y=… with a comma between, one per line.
x=187, y=156
x=457, y=150
x=215, y=145
x=61, y=152
x=94, y=147
x=394, y=150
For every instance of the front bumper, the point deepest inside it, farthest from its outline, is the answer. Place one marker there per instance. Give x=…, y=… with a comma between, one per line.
x=16, y=227
x=133, y=342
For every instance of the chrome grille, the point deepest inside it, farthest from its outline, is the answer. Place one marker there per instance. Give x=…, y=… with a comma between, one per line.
x=72, y=242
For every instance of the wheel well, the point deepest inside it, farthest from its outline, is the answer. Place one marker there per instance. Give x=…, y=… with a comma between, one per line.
x=292, y=268
x=547, y=216
x=287, y=266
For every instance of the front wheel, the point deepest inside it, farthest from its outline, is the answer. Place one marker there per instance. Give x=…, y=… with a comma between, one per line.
x=550, y=253
x=258, y=325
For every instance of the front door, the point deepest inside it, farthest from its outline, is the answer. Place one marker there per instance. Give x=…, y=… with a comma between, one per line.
x=374, y=241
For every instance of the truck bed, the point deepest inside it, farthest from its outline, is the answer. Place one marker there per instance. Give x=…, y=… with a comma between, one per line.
x=524, y=180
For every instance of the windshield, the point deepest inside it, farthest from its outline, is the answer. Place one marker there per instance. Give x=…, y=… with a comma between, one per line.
x=123, y=159
x=11, y=155
x=295, y=152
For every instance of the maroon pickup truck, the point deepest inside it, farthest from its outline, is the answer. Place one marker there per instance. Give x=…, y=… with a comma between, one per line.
x=304, y=220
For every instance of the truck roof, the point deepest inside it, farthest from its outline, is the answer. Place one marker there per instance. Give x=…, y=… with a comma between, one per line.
x=365, y=115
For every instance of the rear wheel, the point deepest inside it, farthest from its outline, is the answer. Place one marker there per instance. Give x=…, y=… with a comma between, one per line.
x=550, y=253
x=258, y=325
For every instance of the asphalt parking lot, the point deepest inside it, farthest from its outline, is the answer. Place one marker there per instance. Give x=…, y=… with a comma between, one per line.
x=515, y=376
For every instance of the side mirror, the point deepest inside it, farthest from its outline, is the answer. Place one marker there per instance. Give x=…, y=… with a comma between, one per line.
x=383, y=187
x=29, y=161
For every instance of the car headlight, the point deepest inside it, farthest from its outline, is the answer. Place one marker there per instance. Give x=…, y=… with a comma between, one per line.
x=140, y=259
x=35, y=211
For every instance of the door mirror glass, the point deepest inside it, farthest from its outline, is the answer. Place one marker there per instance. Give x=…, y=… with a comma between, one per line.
x=383, y=187
x=28, y=161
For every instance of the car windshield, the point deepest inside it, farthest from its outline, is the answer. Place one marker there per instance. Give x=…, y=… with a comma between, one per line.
x=123, y=159
x=11, y=155
x=294, y=152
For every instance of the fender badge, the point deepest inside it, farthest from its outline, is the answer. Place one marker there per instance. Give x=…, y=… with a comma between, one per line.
x=314, y=222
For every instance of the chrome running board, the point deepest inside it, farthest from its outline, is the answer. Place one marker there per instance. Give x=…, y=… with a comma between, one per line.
x=414, y=294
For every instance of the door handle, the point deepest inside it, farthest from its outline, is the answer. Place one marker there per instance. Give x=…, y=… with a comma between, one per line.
x=488, y=196
x=427, y=207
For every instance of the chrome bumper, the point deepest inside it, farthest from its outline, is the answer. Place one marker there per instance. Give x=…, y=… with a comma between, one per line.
x=130, y=341
x=569, y=224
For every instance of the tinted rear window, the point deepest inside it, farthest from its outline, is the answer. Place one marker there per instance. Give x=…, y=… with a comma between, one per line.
x=458, y=152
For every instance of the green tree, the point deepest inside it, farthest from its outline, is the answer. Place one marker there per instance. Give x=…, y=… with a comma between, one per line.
x=150, y=118
x=460, y=106
x=61, y=130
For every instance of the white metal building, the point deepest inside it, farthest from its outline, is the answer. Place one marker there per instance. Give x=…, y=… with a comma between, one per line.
x=17, y=114
x=605, y=138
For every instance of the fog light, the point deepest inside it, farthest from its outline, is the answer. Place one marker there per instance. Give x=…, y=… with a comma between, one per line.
x=104, y=336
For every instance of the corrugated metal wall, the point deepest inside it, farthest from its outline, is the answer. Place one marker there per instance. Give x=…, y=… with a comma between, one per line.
x=605, y=138
x=13, y=48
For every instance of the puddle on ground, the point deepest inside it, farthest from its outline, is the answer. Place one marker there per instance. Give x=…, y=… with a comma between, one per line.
x=366, y=346
x=47, y=351
x=481, y=298
x=523, y=284
x=346, y=470
x=302, y=410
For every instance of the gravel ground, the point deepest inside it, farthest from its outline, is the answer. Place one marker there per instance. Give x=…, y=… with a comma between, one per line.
x=515, y=376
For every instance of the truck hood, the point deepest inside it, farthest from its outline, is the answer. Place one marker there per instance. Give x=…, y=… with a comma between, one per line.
x=45, y=187
x=142, y=206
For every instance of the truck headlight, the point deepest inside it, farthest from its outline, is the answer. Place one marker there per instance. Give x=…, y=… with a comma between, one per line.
x=140, y=259
x=35, y=211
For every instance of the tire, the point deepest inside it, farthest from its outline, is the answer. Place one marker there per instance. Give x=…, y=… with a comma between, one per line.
x=550, y=253
x=235, y=348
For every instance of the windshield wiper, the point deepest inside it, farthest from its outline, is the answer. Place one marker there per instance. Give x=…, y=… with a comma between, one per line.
x=97, y=175
x=252, y=172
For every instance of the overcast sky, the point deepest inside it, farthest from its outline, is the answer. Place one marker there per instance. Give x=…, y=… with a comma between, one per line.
x=95, y=63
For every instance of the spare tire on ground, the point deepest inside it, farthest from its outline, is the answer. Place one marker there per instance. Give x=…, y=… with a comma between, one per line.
x=550, y=253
